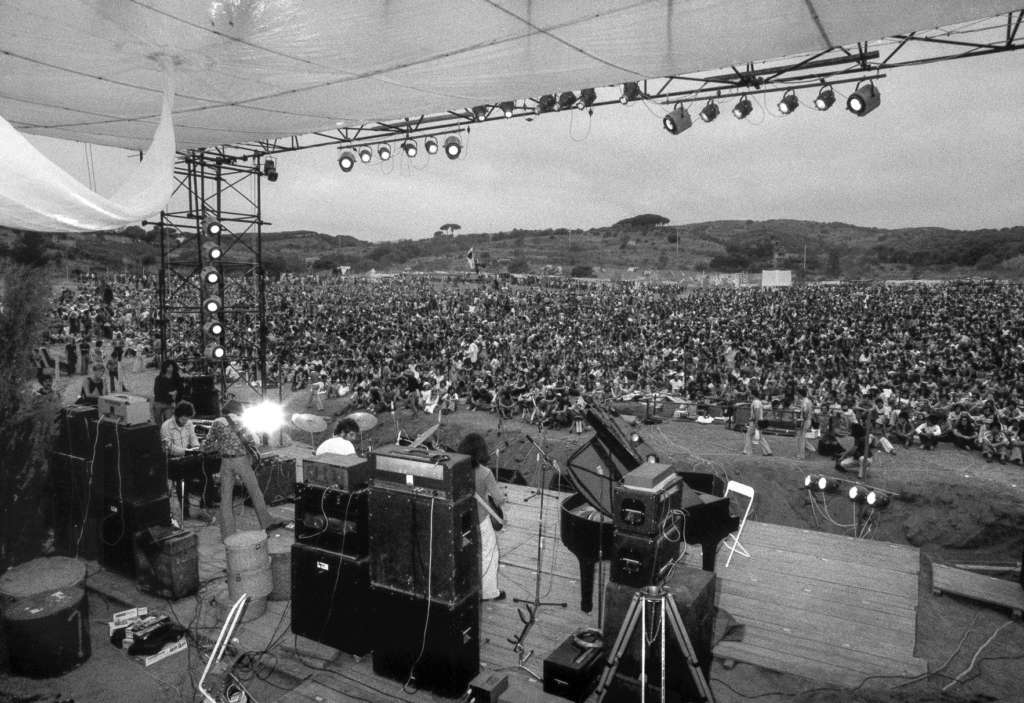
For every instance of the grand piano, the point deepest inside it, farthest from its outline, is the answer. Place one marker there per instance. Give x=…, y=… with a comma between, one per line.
x=586, y=516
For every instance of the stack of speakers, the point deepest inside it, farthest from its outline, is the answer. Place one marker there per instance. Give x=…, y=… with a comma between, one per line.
x=77, y=493
x=424, y=569
x=646, y=539
x=330, y=565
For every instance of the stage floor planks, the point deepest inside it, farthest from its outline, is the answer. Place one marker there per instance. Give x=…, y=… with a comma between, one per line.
x=985, y=589
x=830, y=608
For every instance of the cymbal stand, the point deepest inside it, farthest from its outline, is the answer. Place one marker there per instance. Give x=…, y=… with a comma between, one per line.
x=663, y=604
x=528, y=613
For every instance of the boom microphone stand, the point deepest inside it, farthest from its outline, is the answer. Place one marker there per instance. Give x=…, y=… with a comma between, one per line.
x=528, y=613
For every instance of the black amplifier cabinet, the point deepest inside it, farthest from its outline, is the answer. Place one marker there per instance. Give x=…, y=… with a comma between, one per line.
x=120, y=523
x=130, y=460
x=694, y=593
x=644, y=511
x=349, y=472
x=638, y=560
x=276, y=478
x=408, y=549
x=76, y=430
x=427, y=472
x=76, y=506
x=331, y=519
x=331, y=599
x=572, y=670
x=451, y=648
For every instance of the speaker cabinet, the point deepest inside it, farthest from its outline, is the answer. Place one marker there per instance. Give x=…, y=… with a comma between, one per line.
x=76, y=506
x=331, y=599
x=416, y=539
x=276, y=478
x=638, y=560
x=76, y=430
x=119, y=525
x=447, y=635
x=131, y=461
x=694, y=593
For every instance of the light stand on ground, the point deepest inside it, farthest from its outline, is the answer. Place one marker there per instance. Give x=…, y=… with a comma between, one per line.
x=661, y=603
x=528, y=613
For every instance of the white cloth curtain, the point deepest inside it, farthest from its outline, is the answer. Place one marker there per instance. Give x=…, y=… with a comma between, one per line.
x=37, y=195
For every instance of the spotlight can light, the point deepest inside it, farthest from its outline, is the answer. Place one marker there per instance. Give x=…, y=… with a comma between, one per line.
x=480, y=113
x=213, y=328
x=825, y=98
x=211, y=251
x=630, y=92
x=346, y=161
x=410, y=148
x=877, y=499
x=742, y=108
x=214, y=351
x=507, y=108
x=365, y=154
x=270, y=170
x=211, y=275
x=452, y=147
x=863, y=100
x=566, y=100
x=588, y=96
x=857, y=494
x=709, y=112
x=789, y=103
x=384, y=152
x=430, y=145
x=212, y=304
x=546, y=103
x=826, y=484
x=810, y=481
x=677, y=121
x=212, y=227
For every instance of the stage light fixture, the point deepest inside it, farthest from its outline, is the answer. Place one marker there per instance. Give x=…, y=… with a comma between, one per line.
x=826, y=484
x=384, y=152
x=346, y=161
x=270, y=170
x=789, y=103
x=588, y=96
x=211, y=251
x=810, y=481
x=877, y=499
x=742, y=108
x=214, y=351
x=709, y=112
x=452, y=147
x=212, y=304
x=507, y=108
x=430, y=145
x=566, y=100
x=212, y=227
x=677, y=121
x=546, y=103
x=211, y=275
x=858, y=494
x=863, y=100
x=213, y=328
x=825, y=98
x=480, y=112
x=652, y=459
x=630, y=92
x=634, y=438
x=410, y=148
x=365, y=154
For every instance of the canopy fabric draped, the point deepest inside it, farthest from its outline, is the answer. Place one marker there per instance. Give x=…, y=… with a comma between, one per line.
x=37, y=195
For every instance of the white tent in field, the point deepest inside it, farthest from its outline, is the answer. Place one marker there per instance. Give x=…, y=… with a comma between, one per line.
x=173, y=75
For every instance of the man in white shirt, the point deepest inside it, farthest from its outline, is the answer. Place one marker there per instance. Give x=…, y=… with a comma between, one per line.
x=343, y=441
x=181, y=446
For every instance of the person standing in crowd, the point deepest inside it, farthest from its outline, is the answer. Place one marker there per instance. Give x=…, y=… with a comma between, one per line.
x=490, y=500
x=236, y=446
x=94, y=385
x=167, y=387
x=346, y=434
x=754, y=434
x=859, y=455
x=180, y=443
x=803, y=444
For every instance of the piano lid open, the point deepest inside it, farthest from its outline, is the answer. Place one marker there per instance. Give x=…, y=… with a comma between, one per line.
x=604, y=460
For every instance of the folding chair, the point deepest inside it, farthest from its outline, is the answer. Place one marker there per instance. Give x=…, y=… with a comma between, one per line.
x=223, y=684
x=741, y=489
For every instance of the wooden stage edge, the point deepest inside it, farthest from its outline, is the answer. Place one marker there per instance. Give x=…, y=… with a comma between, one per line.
x=977, y=587
x=831, y=609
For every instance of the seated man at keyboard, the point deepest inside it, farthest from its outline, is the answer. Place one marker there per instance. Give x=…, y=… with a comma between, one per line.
x=184, y=460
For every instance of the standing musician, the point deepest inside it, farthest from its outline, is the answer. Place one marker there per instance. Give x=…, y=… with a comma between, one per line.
x=490, y=500
x=236, y=446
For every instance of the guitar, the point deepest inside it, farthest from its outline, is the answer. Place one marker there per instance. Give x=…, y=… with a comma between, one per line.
x=250, y=447
x=495, y=512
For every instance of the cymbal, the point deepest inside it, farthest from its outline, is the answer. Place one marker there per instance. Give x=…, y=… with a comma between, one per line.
x=309, y=423
x=366, y=421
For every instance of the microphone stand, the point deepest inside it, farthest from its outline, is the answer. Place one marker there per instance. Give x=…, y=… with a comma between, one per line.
x=528, y=613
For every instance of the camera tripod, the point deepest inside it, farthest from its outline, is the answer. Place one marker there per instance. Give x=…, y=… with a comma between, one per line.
x=662, y=602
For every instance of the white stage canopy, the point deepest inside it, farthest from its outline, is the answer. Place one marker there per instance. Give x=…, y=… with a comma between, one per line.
x=88, y=70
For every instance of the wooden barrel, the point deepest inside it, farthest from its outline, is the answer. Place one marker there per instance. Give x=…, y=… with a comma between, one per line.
x=40, y=576
x=280, y=548
x=246, y=551
x=258, y=583
x=48, y=634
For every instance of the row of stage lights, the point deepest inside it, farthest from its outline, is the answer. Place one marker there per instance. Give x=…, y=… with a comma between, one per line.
x=873, y=497
x=862, y=101
x=348, y=158
x=211, y=275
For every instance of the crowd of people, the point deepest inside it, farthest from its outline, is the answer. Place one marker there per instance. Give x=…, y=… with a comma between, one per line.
x=913, y=363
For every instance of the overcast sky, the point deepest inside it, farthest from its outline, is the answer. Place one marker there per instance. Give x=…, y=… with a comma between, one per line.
x=946, y=149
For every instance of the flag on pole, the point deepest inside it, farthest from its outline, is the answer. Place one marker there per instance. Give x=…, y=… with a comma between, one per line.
x=471, y=260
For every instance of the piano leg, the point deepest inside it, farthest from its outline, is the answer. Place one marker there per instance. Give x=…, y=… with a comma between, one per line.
x=710, y=550
x=587, y=585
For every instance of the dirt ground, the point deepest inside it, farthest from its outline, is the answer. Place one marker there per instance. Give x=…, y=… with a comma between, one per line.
x=951, y=504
